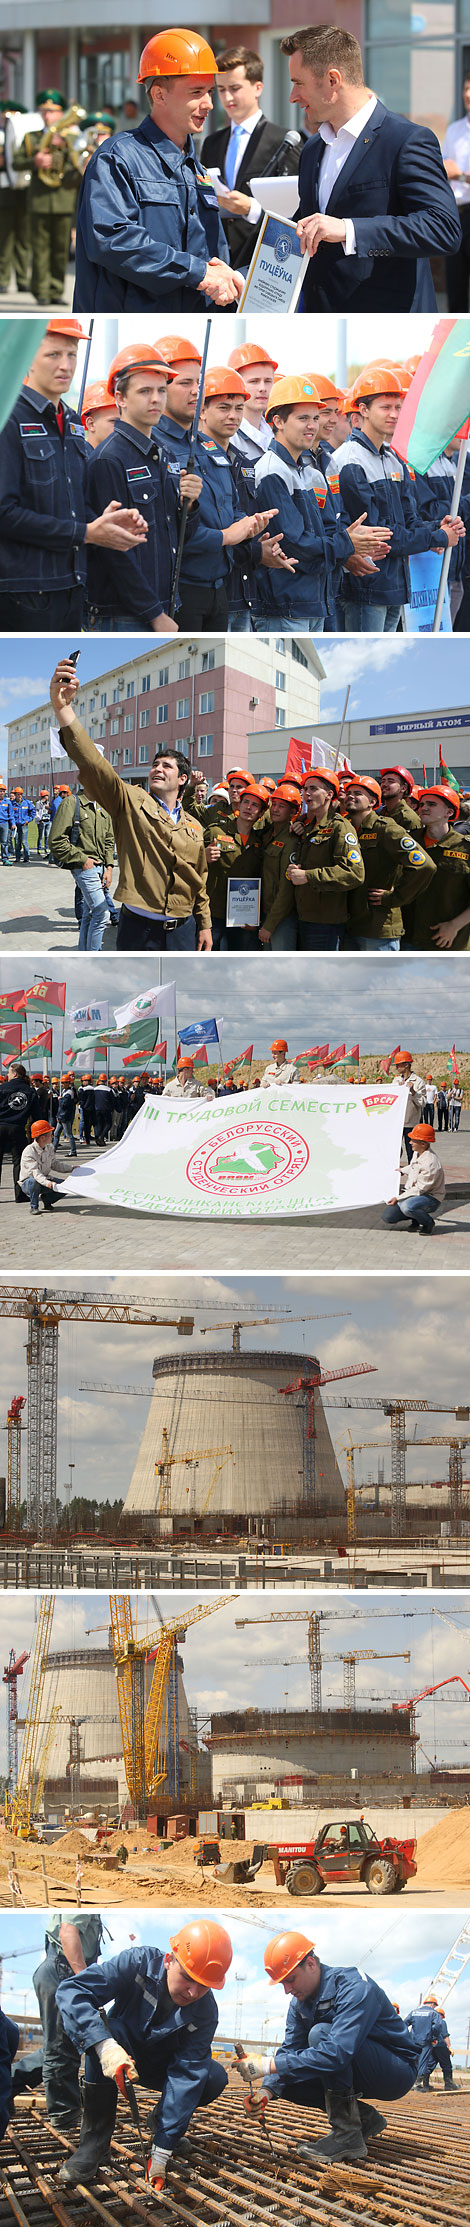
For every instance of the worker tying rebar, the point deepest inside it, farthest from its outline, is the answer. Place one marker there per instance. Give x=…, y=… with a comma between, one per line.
x=343, y=2043
x=160, y=2024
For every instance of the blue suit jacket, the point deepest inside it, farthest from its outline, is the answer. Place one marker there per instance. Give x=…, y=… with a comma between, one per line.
x=394, y=187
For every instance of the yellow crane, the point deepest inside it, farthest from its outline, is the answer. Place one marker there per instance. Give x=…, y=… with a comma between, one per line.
x=22, y=1808
x=43, y=1759
x=351, y=1449
x=149, y=1721
x=167, y=1462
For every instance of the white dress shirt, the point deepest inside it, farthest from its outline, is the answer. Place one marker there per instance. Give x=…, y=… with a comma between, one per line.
x=245, y=131
x=457, y=145
x=338, y=146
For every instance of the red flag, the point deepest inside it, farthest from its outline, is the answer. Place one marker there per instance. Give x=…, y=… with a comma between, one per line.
x=11, y=1003
x=242, y=1059
x=354, y=1053
x=200, y=1057
x=11, y=1035
x=49, y=995
x=144, y=1059
x=42, y=1042
x=339, y=1054
x=386, y=1063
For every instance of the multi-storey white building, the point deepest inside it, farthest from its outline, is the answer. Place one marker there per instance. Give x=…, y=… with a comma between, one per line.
x=206, y=697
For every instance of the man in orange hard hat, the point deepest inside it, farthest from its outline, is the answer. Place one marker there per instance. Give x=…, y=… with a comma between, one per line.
x=46, y=520
x=149, y=234
x=373, y=479
x=160, y=2025
x=280, y=1069
x=343, y=2042
x=258, y=370
x=184, y=1084
x=99, y=412
x=423, y=1189
x=131, y=464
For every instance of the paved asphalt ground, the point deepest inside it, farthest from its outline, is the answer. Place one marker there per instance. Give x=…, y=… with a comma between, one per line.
x=80, y=1236
x=37, y=909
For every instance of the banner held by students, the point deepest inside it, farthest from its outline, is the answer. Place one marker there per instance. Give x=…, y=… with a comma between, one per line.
x=304, y=1151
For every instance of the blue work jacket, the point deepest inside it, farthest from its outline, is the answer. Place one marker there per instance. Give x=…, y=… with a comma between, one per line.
x=146, y=2022
x=130, y=468
x=147, y=225
x=376, y=481
x=324, y=2035
x=43, y=511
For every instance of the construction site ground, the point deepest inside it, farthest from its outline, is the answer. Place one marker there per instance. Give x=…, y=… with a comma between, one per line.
x=416, y=2173
x=33, y=1874
x=78, y=1231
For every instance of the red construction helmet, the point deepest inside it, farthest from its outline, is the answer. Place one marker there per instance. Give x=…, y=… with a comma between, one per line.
x=375, y=379
x=403, y=773
x=41, y=1128
x=288, y=792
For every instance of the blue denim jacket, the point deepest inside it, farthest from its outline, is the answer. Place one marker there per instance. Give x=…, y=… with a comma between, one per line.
x=43, y=510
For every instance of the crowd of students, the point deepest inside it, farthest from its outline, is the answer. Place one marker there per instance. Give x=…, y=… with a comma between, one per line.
x=301, y=516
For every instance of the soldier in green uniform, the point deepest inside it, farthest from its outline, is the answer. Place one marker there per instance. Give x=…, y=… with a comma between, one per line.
x=52, y=207
x=279, y=918
x=397, y=787
x=324, y=865
x=395, y=869
x=15, y=223
x=441, y=916
x=234, y=846
x=99, y=126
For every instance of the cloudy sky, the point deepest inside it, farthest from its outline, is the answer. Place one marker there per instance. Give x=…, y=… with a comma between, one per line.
x=404, y=1952
x=225, y=1667
x=421, y=1003
x=401, y=1325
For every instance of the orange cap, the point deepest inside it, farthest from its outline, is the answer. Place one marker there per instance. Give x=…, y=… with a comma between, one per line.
x=322, y=773
x=41, y=1128
x=176, y=54
x=248, y=354
x=375, y=379
x=286, y=392
x=175, y=349
x=253, y=789
x=69, y=327
x=97, y=397
x=102, y=1078
x=204, y=1950
x=283, y=1953
x=220, y=380
x=403, y=1059
x=365, y=781
x=138, y=356
x=440, y=788
x=186, y=1062
x=423, y=1133
x=280, y=1044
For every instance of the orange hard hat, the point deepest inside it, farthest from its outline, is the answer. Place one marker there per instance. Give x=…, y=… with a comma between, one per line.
x=175, y=349
x=268, y=784
x=17, y=791
x=280, y=1044
x=431, y=1999
x=248, y=354
x=403, y=773
x=102, y=1078
x=69, y=327
x=413, y=363
x=403, y=1059
x=326, y=389
x=253, y=789
x=239, y=773
x=43, y=792
x=288, y=792
x=440, y=788
x=138, y=356
x=220, y=380
x=375, y=379
x=176, y=54
x=322, y=773
x=429, y=1078
x=41, y=1128
x=365, y=781
x=388, y=363
x=185, y=1062
x=87, y=1078
x=204, y=1950
x=283, y=1953
x=286, y=392
x=96, y=397
x=423, y=1133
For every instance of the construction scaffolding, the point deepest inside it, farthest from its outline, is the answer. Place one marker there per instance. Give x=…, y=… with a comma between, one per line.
x=42, y=1353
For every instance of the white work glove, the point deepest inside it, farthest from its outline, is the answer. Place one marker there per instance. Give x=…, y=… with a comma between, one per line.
x=253, y=2067
x=157, y=2165
x=115, y=2061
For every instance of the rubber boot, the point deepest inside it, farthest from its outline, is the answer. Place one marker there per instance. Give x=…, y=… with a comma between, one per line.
x=452, y=2087
x=372, y=2121
x=96, y=2131
x=346, y=2140
x=423, y=2085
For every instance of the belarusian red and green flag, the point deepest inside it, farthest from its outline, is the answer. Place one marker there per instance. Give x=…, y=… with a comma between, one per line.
x=436, y=405
x=48, y=996
x=452, y=1065
x=11, y=1005
x=447, y=776
x=11, y=1035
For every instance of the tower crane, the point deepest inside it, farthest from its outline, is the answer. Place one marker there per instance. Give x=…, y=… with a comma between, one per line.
x=149, y=1723
x=456, y=1450
x=23, y=1797
x=168, y=1462
x=13, y=1671
x=308, y=1384
x=296, y=1616
x=351, y=1488
x=397, y=1410
x=14, y=1428
x=353, y=1655
x=453, y=1964
x=262, y=1322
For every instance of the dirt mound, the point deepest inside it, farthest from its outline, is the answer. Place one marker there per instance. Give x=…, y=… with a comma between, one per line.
x=444, y=1853
x=73, y=1843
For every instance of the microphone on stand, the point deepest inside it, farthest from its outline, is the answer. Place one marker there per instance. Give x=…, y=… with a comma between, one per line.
x=279, y=166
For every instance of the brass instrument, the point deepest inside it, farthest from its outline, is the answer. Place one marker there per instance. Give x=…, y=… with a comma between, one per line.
x=26, y=136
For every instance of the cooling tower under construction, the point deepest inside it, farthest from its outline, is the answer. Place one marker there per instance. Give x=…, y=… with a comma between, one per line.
x=85, y=1763
x=274, y=1468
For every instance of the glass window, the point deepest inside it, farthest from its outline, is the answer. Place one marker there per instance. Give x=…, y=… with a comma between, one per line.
x=102, y=728
x=114, y=727
x=162, y=715
x=410, y=58
x=205, y=746
x=182, y=743
x=184, y=668
x=103, y=701
x=113, y=757
x=280, y=644
x=280, y=680
x=145, y=684
x=280, y=715
x=298, y=655
x=207, y=661
x=163, y=676
x=182, y=707
x=128, y=722
x=127, y=757
x=130, y=688
x=144, y=718
x=92, y=702
x=143, y=753
x=116, y=695
x=206, y=703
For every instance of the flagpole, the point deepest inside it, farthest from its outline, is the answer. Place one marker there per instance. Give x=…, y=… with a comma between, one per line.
x=464, y=447
x=342, y=727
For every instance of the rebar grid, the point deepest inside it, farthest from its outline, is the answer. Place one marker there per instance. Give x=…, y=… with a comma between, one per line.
x=417, y=2174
